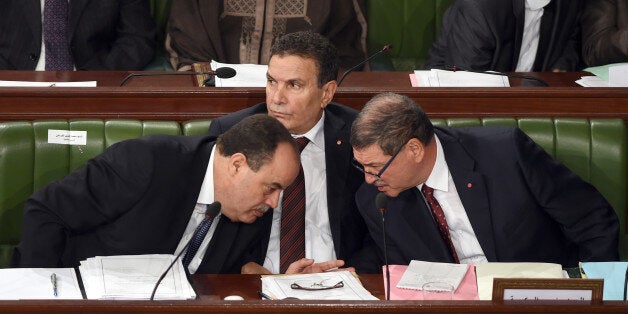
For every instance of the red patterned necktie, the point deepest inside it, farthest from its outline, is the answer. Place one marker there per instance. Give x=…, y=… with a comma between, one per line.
x=55, y=28
x=439, y=215
x=292, y=239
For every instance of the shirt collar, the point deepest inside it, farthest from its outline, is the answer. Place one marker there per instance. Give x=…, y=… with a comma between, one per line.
x=206, y=196
x=534, y=5
x=315, y=135
x=439, y=177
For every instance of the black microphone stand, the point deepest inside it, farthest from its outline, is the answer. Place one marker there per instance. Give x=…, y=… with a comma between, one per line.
x=385, y=49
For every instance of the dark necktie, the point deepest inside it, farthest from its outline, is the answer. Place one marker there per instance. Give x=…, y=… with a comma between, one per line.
x=197, y=239
x=439, y=215
x=55, y=29
x=292, y=240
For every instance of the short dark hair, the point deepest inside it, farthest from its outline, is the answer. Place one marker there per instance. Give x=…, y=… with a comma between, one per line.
x=257, y=137
x=390, y=120
x=307, y=44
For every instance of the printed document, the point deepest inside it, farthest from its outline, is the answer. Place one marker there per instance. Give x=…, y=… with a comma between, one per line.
x=334, y=285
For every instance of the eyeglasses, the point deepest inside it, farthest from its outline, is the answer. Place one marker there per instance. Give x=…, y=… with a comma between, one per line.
x=378, y=176
x=315, y=286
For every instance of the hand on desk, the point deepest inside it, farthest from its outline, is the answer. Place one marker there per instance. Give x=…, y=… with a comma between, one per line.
x=307, y=265
x=302, y=266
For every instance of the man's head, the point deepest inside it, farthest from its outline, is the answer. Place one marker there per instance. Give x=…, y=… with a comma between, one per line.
x=256, y=159
x=392, y=141
x=301, y=79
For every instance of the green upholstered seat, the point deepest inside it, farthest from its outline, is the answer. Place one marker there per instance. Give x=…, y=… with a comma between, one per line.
x=595, y=149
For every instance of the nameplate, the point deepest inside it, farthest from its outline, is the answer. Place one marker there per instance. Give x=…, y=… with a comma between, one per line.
x=523, y=290
x=67, y=137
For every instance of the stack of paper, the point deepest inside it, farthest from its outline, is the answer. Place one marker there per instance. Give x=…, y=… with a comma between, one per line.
x=420, y=273
x=133, y=277
x=36, y=283
x=442, y=78
x=487, y=271
x=340, y=285
x=247, y=75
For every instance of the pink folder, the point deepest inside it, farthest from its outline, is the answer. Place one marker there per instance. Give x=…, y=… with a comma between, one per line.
x=467, y=290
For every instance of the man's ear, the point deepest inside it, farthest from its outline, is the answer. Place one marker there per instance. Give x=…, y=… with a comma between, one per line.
x=329, y=89
x=237, y=164
x=417, y=149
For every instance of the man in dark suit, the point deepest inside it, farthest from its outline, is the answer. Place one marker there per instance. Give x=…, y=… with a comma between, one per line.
x=147, y=195
x=497, y=196
x=101, y=34
x=301, y=83
x=509, y=35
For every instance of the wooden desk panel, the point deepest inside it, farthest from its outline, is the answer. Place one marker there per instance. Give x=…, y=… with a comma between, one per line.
x=212, y=288
x=174, y=97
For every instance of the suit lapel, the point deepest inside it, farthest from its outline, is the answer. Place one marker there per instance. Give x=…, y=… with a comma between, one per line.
x=337, y=148
x=219, y=246
x=76, y=10
x=32, y=12
x=472, y=191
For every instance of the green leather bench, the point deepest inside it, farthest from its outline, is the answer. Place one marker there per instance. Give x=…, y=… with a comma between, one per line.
x=594, y=149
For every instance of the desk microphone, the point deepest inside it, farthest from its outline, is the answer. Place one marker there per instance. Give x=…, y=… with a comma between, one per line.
x=381, y=202
x=385, y=49
x=212, y=211
x=526, y=77
x=223, y=72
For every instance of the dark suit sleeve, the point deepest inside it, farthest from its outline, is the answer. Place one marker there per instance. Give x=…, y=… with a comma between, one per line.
x=468, y=37
x=94, y=195
x=130, y=45
x=604, y=41
x=585, y=217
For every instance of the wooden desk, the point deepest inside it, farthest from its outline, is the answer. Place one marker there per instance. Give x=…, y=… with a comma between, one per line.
x=175, y=97
x=213, y=288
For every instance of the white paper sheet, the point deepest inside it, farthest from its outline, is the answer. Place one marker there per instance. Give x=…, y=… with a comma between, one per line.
x=47, y=84
x=247, y=75
x=487, y=271
x=419, y=273
x=35, y=283
x=278, y=287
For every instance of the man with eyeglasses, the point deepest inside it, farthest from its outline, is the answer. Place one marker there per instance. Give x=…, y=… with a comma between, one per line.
x=472, y=195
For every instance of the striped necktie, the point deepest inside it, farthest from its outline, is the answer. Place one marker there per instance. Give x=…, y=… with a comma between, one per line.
x=292, y=239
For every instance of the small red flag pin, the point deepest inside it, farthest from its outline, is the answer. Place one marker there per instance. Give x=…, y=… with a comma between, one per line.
x=338, y=142
x=469, y=185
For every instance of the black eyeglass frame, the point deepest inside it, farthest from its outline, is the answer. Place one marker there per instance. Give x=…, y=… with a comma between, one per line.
x=317, y=286
x=378, y=176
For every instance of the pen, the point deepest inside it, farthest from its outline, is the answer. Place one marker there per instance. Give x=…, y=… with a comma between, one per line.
x=53, y=279
x=264, y=295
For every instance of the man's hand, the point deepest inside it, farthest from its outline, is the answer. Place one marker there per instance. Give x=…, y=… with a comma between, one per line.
x=254, y=268
x=307, y=265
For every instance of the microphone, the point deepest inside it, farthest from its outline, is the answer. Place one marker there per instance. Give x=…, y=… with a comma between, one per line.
x=223, y=72
x=212, y=211
x=381, y=202
x=526, y=77
x=385, y=49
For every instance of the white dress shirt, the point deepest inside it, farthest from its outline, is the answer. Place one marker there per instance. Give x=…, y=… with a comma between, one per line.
x=462, y=235
x=319, y=243
x=205, y=198
x=531, y=30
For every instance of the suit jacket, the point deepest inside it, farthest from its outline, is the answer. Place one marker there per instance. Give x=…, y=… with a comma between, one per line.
x=352, y=242
x=605, y=32
x=486, y=35
x=103, y=34
x=135, y=198
x=523, y=205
